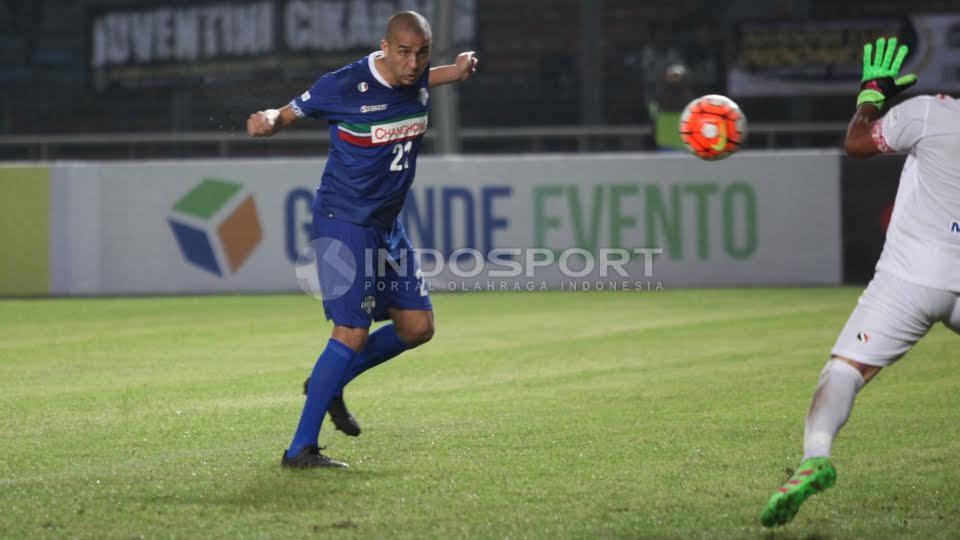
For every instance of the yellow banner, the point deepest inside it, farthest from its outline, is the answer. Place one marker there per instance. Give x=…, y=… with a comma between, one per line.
x=24, y=231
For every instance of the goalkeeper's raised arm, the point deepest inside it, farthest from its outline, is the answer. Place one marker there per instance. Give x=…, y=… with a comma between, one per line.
x=880, y=82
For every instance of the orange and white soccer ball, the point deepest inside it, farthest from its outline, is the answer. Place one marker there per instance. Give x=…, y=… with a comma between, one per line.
x=713, y=127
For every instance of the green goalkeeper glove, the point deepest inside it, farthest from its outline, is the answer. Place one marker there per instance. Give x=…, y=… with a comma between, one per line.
x=881, y=65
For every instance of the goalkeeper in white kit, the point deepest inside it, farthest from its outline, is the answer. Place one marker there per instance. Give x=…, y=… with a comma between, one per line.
x=917, y=279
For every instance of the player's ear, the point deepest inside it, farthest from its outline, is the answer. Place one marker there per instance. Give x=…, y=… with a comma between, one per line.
x=384, y=45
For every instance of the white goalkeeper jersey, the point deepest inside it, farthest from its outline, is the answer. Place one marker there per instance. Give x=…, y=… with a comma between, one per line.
x=923, y=239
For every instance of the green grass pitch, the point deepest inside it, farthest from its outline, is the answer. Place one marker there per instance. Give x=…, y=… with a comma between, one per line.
x=669, y=414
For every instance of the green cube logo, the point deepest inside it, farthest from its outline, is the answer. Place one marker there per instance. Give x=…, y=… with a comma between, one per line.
x=216, y=226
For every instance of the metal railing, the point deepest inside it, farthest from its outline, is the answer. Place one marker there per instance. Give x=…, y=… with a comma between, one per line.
x=234, y=143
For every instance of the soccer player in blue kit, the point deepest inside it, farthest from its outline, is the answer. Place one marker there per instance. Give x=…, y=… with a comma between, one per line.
x=377, y=109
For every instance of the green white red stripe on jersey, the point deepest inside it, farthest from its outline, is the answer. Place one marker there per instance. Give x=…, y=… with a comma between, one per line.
x=385, y=131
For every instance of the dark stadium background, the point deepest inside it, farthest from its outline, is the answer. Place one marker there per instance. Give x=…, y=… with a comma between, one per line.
x=544, y=63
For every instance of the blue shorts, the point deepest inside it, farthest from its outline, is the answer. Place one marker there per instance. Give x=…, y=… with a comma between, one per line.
x=385, y=271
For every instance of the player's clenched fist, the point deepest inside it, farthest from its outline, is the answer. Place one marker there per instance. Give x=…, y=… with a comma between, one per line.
x=262, y=123
x=467, y=64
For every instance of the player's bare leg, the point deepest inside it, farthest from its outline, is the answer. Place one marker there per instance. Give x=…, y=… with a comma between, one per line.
x=355, y=338
x=414, y=327
x=840, y=381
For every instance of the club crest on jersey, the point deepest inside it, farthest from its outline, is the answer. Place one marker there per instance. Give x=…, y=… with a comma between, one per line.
x=363, y=87
x=368, y=304
x=423, y=96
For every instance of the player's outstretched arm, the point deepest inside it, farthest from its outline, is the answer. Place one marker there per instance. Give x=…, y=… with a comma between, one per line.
x=880, y=82
x=268, y=122
x=461, y=70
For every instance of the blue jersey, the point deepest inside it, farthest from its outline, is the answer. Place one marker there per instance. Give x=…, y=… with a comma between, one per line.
x=375, y=135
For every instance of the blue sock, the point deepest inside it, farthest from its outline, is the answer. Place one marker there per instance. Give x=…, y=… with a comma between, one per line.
x=324, y=384
x=381, y=346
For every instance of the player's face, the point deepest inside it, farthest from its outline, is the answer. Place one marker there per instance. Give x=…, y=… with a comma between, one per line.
x=406, y=55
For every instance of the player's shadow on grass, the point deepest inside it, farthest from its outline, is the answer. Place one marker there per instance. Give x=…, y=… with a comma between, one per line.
x=269, y=488
x=267, y=485
x=786, y=534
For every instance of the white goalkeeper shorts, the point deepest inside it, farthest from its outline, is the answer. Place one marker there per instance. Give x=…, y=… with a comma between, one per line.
x=891, y=316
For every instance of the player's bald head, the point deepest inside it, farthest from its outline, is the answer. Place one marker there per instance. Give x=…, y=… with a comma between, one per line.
x=405, y=48
x=407, y=21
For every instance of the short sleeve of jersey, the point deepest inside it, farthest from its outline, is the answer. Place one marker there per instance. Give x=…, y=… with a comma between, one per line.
x=322, y=99
x=903, y=126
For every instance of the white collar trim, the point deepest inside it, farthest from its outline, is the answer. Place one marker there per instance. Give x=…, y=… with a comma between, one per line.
x=371, y=61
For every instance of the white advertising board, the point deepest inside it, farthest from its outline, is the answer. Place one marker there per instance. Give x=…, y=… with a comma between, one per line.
x=233, y=225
